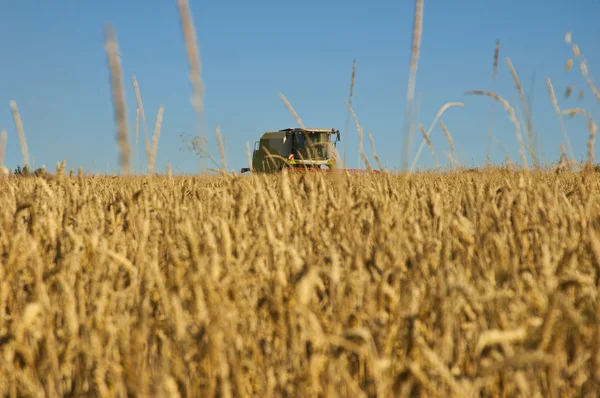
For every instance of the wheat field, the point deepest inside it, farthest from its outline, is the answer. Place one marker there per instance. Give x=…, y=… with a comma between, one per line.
x=447, y=283
x=470, y=283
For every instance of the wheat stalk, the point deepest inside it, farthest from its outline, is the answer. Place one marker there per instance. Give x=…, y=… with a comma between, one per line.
x=558, y=114
x=437, y=117
x=374, y=153
x=193, y=55
x=221, y=149
x=584, y=72
x=409, y=117
x=492, y=103
x=511, y=113
x=450, y=141
x=348, y=115
x=592, y=127
x=3, y=138
x=291, y=110
x=359, y=128
x=530, y=133
x=155, y=136
x=140, y=110
x=137, y=140
x=118, y=95
x=19, y=126
x=430, y=145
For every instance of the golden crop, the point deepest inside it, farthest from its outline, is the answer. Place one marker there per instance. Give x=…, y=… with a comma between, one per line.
x=459, y=284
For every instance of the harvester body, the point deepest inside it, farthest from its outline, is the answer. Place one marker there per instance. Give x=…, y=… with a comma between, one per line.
x=295, y=148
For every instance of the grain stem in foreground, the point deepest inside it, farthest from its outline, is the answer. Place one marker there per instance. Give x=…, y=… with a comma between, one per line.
x=291, y=109
x=492, y=102
x=450, y=141
x=409, y=116
x=430, y=145
x=559, y=116
x=155, y=136
x=592, y=127
x=3, y=139
x=359, y=128
x=530, y=133
x=348, y=115
x=140, y=110
x=193, y=55
x=437, y=117
x=20, y=132
x=511, y=113
x=118, y=95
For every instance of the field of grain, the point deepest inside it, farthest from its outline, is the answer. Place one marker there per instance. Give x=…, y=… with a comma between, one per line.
x=477, y=282
x=480, y=283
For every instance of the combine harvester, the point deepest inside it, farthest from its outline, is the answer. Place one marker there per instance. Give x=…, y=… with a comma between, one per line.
x=298, y=149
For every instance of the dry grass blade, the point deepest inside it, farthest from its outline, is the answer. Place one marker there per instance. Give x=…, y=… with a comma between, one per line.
x=513, y=119
x=118, y=96
x=409, y=116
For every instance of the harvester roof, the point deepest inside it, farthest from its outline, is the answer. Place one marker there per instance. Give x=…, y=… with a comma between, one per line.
x=310, y=130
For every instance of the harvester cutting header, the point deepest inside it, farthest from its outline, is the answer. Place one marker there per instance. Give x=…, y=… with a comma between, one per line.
x=297, y=149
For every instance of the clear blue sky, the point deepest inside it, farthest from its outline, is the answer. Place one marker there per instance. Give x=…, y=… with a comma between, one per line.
x=54, y=66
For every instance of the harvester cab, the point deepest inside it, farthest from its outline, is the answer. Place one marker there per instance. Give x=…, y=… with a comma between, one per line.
x=295, y=148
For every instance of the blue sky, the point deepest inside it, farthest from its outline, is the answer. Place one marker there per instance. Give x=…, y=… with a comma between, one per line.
x=54, y=66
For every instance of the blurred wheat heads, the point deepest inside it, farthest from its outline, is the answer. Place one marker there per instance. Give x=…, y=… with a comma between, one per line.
x=118, y=96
